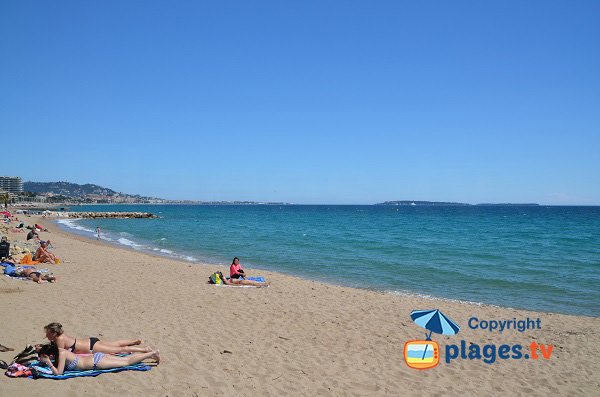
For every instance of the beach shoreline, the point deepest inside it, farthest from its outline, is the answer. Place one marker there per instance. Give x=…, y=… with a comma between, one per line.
x=298, y=337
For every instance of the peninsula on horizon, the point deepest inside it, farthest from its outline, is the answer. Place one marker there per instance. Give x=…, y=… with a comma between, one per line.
x=446, y=203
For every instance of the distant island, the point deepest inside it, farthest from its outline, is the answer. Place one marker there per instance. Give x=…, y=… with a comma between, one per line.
x=445, y=203
x=421, y=203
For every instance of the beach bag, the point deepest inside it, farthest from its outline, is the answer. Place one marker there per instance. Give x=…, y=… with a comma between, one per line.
x=18, y=371
x=215, y=278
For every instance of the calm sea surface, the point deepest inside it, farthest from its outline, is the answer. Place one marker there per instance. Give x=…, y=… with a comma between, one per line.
x=538, y=258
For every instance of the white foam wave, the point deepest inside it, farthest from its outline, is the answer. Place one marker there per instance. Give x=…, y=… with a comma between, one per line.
x=438, y=298
x=128, y=243
x=71, y=223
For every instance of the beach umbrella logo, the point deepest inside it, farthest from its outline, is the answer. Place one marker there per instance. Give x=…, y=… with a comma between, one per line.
x=425, y=354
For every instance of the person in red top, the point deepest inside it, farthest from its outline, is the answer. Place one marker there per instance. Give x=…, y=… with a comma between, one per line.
x=235, y=270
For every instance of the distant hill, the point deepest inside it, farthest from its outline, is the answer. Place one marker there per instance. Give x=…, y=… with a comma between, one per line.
x=67, y=189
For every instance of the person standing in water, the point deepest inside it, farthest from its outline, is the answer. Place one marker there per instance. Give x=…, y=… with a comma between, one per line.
x=98, y=232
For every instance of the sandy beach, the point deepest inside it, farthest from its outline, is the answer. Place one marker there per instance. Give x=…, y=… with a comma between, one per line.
x=296, y=338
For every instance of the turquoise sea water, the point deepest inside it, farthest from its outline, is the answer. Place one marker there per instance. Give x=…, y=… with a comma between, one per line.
x=538, y=258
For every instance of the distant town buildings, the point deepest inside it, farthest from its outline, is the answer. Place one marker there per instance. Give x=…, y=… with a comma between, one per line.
x=11, y=184
x=13, y=187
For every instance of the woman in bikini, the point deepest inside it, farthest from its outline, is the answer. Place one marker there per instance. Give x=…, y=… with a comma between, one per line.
x=61, y=360
x=35, y=275
x=56, y=335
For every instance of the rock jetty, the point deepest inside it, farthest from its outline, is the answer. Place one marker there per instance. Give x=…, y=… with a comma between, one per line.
x=119, y=215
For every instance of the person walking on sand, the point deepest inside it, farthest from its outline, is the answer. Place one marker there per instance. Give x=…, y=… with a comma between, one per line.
x=98, y=232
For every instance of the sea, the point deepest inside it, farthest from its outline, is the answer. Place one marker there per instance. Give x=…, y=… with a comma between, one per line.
x=541, y=258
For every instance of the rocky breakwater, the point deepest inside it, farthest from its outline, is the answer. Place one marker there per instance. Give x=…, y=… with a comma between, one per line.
x=116, y=215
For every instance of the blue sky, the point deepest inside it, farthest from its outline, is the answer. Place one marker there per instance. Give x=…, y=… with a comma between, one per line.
x=306, y=102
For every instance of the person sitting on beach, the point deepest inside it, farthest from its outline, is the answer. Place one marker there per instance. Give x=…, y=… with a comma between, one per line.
x=32, y=234
x=34, y=274
x=42, y=254
x=235, y=270
x=4, y=248
x=60, y=360
x=55, y=334
x=238, y=281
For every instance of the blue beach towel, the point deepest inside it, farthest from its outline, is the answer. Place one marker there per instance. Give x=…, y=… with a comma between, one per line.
x=45, y=372
x=259, y=278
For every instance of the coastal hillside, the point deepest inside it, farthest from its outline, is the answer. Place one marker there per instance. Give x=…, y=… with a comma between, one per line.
x=87, y=193
x=67, y=189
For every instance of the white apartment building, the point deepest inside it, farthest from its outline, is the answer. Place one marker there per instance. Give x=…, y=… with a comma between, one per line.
x=11, y=184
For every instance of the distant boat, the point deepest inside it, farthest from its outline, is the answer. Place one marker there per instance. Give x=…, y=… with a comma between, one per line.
x=413, y=203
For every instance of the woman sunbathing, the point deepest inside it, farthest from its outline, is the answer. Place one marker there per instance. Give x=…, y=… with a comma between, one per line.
x=34, y=274
x=238, y=281
x=61, y=360
x=55, y=334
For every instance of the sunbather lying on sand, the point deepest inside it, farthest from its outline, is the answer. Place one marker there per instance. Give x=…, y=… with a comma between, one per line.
x=238, y=281
x=55, y=333
x=61, y=360
x=34, y=274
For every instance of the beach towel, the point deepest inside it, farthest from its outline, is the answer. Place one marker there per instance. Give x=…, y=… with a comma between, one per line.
x=11, y=271
x=258, y=278
x=39, y=370
x=240, y=286
x=27, y=260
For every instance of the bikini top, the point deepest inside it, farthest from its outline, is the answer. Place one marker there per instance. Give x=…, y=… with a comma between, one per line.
x=71, y=366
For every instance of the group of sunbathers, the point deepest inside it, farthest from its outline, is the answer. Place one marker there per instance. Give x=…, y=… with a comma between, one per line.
x=67, y=353
x=41, y=255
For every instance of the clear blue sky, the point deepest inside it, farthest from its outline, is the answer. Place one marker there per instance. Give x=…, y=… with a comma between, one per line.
x=306, y=102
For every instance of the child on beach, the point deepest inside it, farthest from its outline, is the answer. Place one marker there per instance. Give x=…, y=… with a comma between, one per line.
x=60, y=360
